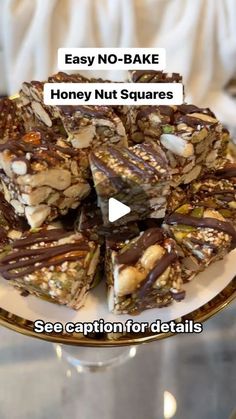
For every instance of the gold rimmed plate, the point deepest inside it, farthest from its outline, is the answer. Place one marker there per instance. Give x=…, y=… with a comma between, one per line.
x=208, y=293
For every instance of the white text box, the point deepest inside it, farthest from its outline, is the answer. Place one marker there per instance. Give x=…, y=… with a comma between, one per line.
x=111, y=58
x=113, y=94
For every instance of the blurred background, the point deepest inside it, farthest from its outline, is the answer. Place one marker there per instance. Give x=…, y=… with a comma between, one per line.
x=182, y=377
x=199, y=37
x=185, y=377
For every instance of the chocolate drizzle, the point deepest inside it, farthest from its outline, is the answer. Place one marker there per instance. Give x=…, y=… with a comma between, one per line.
x=89, y=111
x=192, y=122
x=120, y=156
x=62, y=77
x=161, y=266
x=178, y=114
x=45, y=236
x=145, y=111
x=186, y=108
x=156, y=153
x=162, y=109
x=113, y=177
x=189, y=108
x=228, y=171
x=178, y=296
x=132, y=255
x=41, y=145
x=152, y=76
x=223, y=226
x=147, y=149
x=131, y=159
x=29, y=260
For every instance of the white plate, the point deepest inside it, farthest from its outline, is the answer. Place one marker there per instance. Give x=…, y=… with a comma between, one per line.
x=202, y=289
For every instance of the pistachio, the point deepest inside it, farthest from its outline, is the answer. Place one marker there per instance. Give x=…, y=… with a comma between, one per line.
x=232, y=204
x=184, y=209
x=94, y=263
x=179, y=236
x=197, y=212
x=184, y=228
x=168, y=129
x=104, y=132
x=213, y=214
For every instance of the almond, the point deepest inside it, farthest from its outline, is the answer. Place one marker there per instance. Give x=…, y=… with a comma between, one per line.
x=203, y=116
x=193, y=174
x=56, y=178
x=37, y=196
x=37, y=215
x=78, y=190
x=84, y=137
x=177, y=145
x=41, y=114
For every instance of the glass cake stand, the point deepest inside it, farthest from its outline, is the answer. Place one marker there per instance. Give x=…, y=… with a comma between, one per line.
x=86, y=359
x=98, y=352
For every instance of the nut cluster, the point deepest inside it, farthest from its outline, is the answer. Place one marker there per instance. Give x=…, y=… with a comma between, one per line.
x=169, y=160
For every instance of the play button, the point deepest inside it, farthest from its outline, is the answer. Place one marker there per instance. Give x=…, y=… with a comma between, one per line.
x=117, y=210
x=121, y=201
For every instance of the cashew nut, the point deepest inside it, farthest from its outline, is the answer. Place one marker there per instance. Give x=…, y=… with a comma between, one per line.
x=151, y=255
x=127, y=280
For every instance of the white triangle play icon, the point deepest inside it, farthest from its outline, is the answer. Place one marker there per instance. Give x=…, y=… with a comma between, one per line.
x=116, y=209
